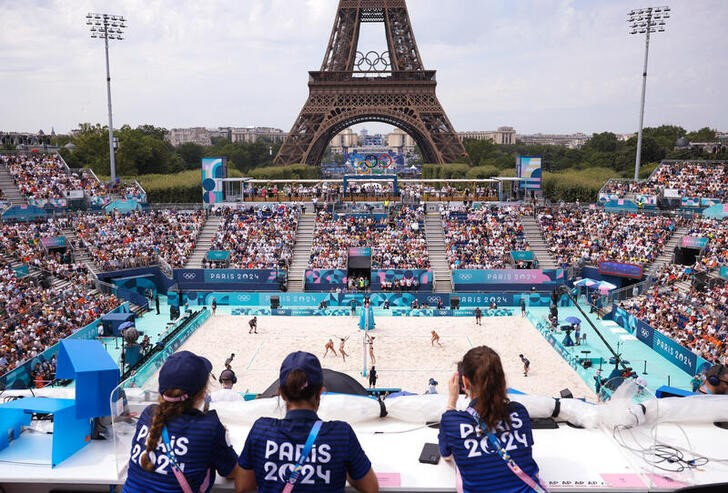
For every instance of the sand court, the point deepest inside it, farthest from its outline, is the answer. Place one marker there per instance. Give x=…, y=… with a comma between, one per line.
x=404, y=355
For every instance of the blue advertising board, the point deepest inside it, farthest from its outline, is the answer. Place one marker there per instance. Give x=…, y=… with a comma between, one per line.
x=21, y=270
x=308, y=300
x=229, y=279
x=672, y=351
x=54, y=242
x=522, y=256
x=514, y=279
x=529, y=168
x=360, y=252
x=214, y=169
x=693, y=242
x=218, y=255
x=620, y=269
x=724, y=271
x=325, y=279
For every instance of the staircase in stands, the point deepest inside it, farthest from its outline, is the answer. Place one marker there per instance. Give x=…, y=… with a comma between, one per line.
x=435, y=237
x=10, y=190
x=668, y=248
x=204, y=242
x=534, y=236
x=81, y=254
x=301, y=252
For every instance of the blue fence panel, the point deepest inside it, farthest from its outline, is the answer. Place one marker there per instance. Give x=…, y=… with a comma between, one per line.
x=671, y=350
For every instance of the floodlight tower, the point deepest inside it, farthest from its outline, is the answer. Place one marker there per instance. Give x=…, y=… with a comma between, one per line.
x=106, y=27
x=645, y=21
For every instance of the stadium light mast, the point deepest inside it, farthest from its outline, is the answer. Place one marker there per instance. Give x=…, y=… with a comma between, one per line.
x=106, y=27
x=645, y=21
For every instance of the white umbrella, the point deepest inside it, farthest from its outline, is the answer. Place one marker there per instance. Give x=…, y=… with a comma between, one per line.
x=605, y=287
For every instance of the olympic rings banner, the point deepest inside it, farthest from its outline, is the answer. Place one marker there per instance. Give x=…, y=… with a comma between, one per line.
x=367, y=164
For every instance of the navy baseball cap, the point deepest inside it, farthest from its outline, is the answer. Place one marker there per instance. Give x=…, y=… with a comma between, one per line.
x=306, y=362
x=185, y=371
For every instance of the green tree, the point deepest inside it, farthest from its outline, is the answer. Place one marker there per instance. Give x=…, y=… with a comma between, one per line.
x=191, y=154
x=603, y=142
x=92, y=148
x=705, y=134
x=664, y=135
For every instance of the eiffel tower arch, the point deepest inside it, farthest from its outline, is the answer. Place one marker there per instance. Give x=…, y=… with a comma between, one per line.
x=353, y=87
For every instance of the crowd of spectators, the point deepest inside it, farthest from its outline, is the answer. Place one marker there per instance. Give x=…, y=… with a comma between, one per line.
x=34, y=314
x=696, y=319
x=692, y=179
x=397, y=241
x=689, y=178
x=483, y=238
x=257, y=238
x=42, y=176
x=45, y=176
x=592, y=235
x=118, y=241
x=716, y=231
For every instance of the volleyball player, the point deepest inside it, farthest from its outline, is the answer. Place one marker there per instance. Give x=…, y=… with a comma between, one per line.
x=342, y=351
x=330, y=347
x=435, y=339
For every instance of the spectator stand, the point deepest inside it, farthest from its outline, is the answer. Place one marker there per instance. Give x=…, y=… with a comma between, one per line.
x=23, y=375
x=450, y=190
x=674, y=184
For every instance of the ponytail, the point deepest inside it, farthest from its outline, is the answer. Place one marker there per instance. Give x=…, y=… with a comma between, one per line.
x=483, y=368
x=177, y=403
x=297, y=388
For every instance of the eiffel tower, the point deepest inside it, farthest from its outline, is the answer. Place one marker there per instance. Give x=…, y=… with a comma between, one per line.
x=353, y=87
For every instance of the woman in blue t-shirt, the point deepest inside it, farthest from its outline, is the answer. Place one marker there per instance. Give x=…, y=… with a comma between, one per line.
x=276, y=447
x=479, y=454
x=197, y=441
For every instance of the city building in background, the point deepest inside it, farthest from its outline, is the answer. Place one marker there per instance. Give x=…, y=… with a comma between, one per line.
x=250, y=135
x=504, y=135
x=18, y=139
x=203, y=136
x=572, y=141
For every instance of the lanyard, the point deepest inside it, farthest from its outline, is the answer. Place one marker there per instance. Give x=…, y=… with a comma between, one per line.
x=296, y=472
x=515, y=468
x=181, y=479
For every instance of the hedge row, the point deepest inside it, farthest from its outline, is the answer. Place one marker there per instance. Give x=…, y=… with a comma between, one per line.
x=291, y=172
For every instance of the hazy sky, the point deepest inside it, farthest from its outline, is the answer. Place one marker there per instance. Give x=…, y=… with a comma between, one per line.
x=551, y=66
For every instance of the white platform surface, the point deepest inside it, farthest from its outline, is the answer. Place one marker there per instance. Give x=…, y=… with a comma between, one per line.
x=570, y=459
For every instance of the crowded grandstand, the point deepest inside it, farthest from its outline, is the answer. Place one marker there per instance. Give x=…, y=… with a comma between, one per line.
x=475, y=236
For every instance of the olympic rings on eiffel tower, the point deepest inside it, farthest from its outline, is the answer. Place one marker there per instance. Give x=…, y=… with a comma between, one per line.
x=372, y=62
